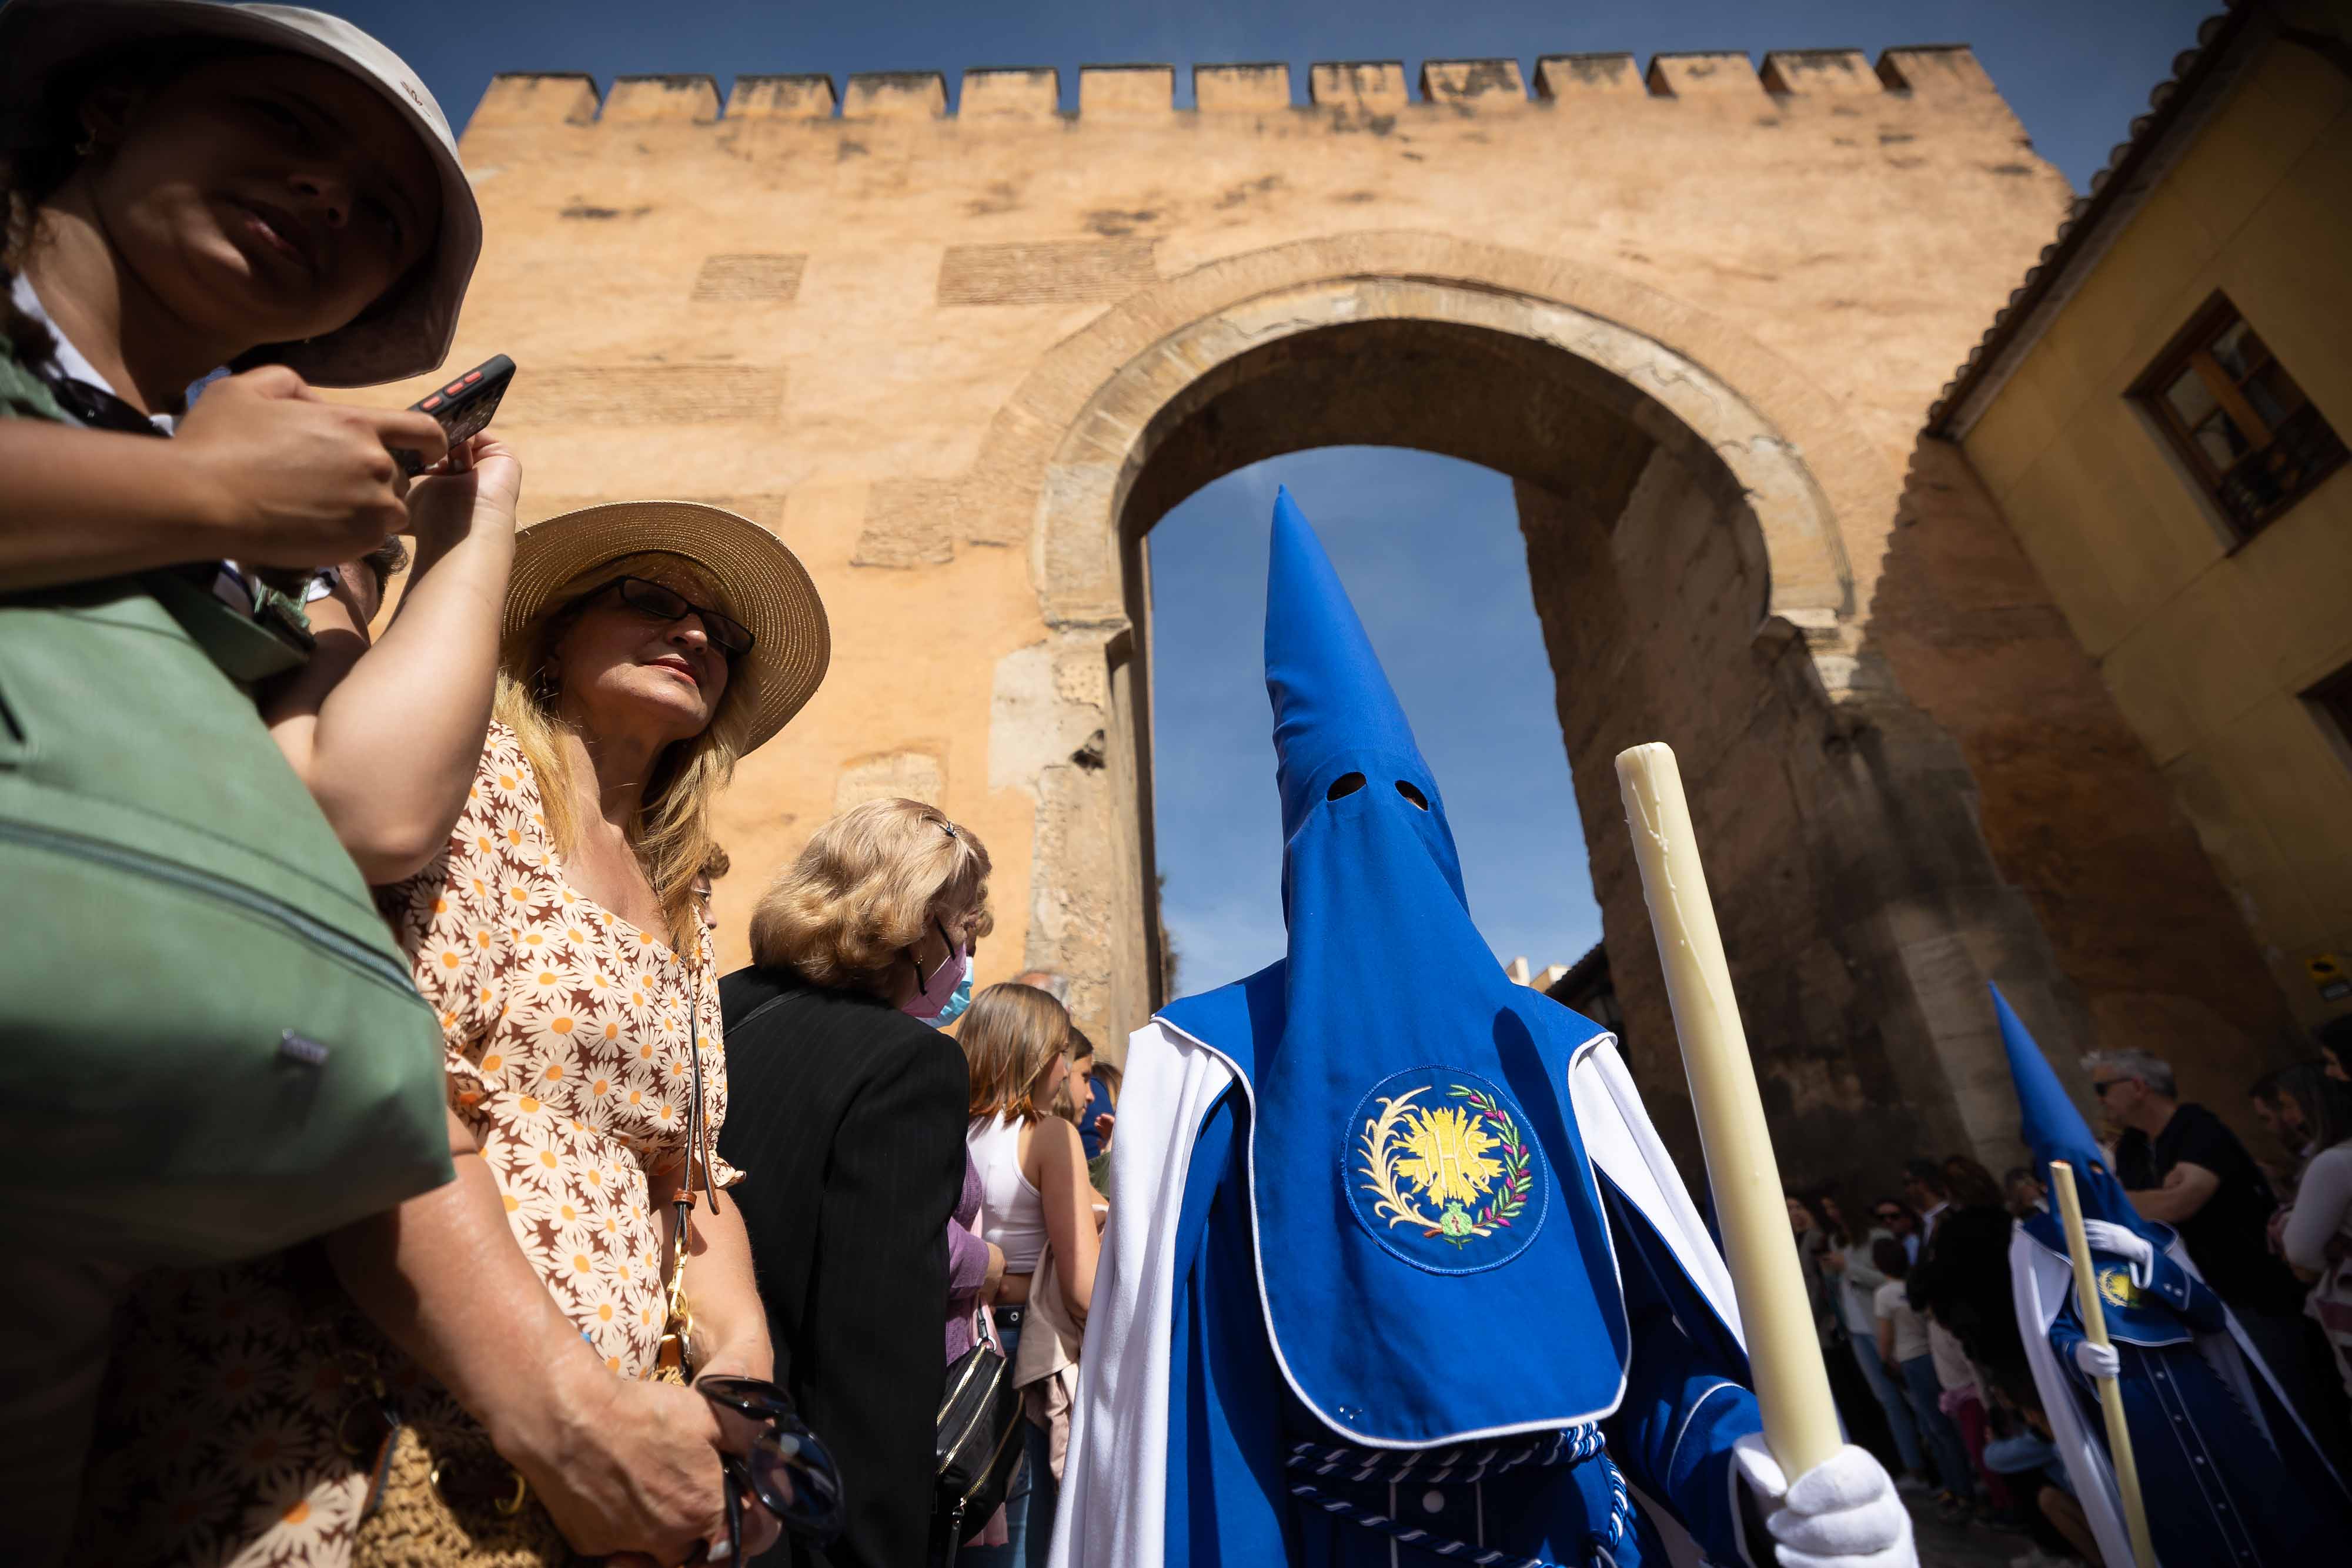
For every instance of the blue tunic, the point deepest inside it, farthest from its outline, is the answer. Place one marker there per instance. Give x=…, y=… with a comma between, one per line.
x=2217, y=1488
x=1233, y=1429
x=2223, y=1483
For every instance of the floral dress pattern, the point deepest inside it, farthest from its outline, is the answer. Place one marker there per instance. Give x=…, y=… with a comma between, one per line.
x=567, y=1056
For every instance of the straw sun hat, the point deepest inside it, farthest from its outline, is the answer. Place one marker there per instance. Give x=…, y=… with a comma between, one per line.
x=405, y=334
x=760, y=583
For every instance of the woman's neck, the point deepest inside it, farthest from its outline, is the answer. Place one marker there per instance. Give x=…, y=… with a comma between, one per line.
x=146, y=353
x=609, y=775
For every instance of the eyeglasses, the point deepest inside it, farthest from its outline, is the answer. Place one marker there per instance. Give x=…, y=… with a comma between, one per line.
x=1892, y=1214
x=727, y=635
x=788, y=1469
x=2099, y=1086
x=971, y=950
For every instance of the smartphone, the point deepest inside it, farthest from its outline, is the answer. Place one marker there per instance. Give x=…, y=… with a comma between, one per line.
x=462, y=407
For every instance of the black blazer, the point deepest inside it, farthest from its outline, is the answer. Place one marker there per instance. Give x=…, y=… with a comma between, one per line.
x=847, y=1117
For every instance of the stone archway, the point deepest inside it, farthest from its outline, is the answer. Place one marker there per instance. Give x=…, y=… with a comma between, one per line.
x=1692, y=507
x=959, y=359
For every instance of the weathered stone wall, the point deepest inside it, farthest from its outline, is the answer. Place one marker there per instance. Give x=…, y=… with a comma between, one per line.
x=962, y=362
x=2146, y=946
x=1861, y=906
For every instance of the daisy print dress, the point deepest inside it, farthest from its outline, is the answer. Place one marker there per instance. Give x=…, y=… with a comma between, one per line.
x=567, y=1054
x=567, y=1059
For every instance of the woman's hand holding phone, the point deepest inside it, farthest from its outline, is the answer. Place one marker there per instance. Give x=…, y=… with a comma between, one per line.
x=285, y=478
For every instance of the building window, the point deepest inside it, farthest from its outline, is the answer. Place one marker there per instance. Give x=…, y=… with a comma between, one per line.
x=2239, y=421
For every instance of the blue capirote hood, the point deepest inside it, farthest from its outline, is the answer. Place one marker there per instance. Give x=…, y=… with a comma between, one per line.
x=1420, y=1195
x=2055, y=1130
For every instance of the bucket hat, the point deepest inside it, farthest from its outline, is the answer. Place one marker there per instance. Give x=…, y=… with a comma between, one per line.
x=760, y=583
x=405, y=335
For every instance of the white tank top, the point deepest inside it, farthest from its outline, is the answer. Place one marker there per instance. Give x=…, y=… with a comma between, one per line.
x=1012, y=1210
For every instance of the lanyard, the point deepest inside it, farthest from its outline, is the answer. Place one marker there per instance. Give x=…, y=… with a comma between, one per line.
x=94, y=405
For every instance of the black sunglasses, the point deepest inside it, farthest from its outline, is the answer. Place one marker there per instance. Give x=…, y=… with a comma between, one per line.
x=727, y=635
x=789, y=1470
x=1892, y=1214
x=2100, y=1086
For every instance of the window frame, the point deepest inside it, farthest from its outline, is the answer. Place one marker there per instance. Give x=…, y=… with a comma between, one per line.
x=2191, y=350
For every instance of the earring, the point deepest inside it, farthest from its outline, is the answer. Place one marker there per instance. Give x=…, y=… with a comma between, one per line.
x=544, y=691
x=87, y=145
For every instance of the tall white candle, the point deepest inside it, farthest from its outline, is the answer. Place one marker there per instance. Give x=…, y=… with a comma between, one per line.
x=1784, y=1352
x=2111, y=1394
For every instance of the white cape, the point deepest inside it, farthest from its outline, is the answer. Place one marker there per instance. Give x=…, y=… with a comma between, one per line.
x=2041, y=1282
x=1114, y=1485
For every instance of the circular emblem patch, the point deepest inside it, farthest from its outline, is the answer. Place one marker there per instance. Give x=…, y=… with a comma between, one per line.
x=1441, y=1170
x=2115, y=1288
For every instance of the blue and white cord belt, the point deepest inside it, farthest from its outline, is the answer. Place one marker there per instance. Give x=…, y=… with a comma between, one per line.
x=1568, y=1448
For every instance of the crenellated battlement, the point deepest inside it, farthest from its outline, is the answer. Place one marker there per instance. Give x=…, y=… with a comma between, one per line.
x=1129, y=92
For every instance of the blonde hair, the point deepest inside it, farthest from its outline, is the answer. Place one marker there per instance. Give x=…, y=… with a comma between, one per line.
x=1010, y=1035
x=671, y=834
x=864, y=891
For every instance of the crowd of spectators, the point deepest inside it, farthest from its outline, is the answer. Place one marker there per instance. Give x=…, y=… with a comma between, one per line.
x=516, y=738
x=1920, y=1323
x=661, y=1251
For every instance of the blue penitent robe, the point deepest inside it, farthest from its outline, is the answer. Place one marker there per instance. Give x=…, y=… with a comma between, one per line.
x=2228, y=1474
x=1249, y=1450
x=1396, y=1271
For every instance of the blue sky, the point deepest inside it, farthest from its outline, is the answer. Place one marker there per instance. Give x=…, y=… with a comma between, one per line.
x=1428, y=546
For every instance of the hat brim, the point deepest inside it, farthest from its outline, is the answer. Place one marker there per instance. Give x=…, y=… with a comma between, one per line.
x=761, y=582
x=408, y=335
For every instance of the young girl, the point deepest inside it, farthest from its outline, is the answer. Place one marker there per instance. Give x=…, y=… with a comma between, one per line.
x=192, y=186
x=1034, y=1199
x=247, y=191
x=186, y=187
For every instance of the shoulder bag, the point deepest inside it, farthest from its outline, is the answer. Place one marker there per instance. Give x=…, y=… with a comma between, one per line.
x=979, y=1440
x=213, y=1046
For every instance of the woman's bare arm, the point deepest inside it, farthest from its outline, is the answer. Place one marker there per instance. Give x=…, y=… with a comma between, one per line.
x=1069, y=1201
x=261, y=471
x=442, y=1275
x=731, y=1325
x=386, y=738
x=623, y=1466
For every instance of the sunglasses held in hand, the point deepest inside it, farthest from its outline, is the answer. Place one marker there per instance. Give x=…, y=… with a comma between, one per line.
x=787, y=1470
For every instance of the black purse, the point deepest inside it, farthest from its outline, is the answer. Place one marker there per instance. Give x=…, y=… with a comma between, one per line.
x=979, y=1441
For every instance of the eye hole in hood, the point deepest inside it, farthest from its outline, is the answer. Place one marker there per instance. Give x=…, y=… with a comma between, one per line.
x=1346, y=784
x=1411, y=794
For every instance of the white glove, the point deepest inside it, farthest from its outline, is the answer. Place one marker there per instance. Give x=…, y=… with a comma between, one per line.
x=2125, y=1243
x=2097, y=1360
x=1842, y=1513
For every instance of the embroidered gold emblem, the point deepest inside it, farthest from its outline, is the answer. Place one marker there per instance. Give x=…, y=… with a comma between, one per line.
x=2115, y=1289
x=1460, y=1172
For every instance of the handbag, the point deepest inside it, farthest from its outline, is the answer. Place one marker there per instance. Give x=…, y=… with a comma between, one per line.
x=978, y=1439
x=214, y=1049
x=451, y=1503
